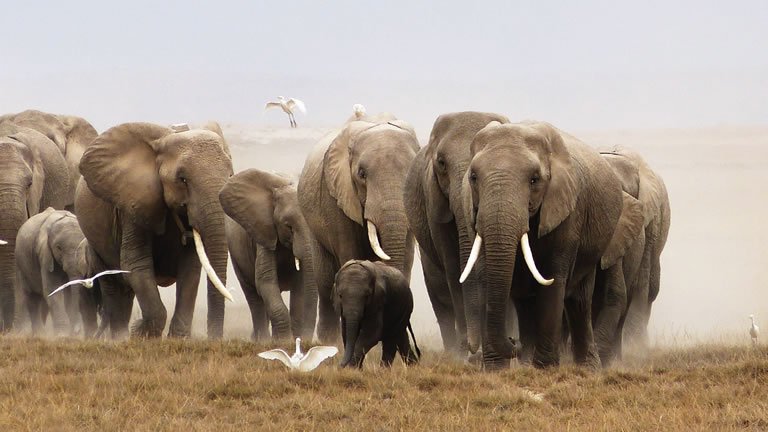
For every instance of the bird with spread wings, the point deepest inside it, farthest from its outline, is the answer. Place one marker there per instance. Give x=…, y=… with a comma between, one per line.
x=288, y=106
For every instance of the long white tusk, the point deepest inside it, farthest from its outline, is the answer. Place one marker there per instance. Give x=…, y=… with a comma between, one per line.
x=297, y=263
x=3, y=242
x=472, y=258
x=528, y=255
x=373, y=239
x=208, y=268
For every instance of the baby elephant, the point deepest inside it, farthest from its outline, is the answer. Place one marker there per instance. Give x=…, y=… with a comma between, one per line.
x=375, y=304
x=50, y=251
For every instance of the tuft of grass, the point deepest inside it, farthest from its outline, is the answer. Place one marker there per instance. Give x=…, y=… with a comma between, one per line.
x=160, y=385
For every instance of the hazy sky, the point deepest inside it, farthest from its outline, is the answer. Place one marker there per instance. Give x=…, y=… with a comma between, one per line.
x=580, y=65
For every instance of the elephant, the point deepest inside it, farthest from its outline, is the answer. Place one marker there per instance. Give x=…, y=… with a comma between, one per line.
x=351, y=194
x=33, y=176
x=434, y=206
x=148, y=203
x=639, y=270
x=270, y=245
x=532, y=190
x=375, y=303
x=71, y=134
x=51, y=250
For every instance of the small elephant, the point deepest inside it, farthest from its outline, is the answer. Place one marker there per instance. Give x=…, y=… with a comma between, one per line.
x=375, y=303
x=269, y=242
x=51, y=250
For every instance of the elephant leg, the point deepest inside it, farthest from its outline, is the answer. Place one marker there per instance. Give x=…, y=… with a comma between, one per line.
x=117, y=306
x=186, y=293
x=549, y=320
x=34, y=307
x=370, y=335
x=325, y=271
x=579, y=309
x=57, y=304
x=87, y=307
x=388, y=351
x=255, y=304
x=136, y=257
x=297, y=307
x=404, y=348
x=73, y=311
x=437, y=288
x=610, y=317
x=526, y=317
x=268, y=288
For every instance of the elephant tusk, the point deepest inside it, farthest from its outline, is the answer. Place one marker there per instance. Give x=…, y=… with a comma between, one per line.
x=472, y=258
x=528, y=255
x=297, y=263
x=373, y=239
x=208, y=268
x=3, y=242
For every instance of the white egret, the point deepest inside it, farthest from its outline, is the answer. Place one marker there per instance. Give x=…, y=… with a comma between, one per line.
x=288, y=106
x=88, y=283
x=359, y=110
x=754, y=330
x=300, y=361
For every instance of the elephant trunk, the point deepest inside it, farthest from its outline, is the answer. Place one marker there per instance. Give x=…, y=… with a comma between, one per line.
x=13, y=203
x=395, y=238
x=310, y=294
x=352, y=331
x=500, y=235
x=215, y=243
x=471, y=288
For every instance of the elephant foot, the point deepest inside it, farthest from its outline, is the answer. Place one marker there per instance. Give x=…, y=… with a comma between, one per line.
x=145, y=328
x=179, y=330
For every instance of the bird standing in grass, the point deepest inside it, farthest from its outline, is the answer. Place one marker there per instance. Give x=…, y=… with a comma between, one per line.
x=88, y=282
x=754, y=330
x=288, y=106
x=300, y=361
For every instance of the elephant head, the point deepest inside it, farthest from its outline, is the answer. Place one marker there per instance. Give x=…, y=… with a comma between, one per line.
x=365, y=168
x=59, y=244
x=267, y=207
x=151, y=173
x=359, y=292
x=33, y=176
x=524, y=180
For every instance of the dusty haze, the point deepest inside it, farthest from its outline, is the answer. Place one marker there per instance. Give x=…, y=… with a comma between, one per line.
x=684, y=83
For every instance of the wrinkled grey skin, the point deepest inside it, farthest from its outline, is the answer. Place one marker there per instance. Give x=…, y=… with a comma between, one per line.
x=532, y=178
x=265, y=234
x=434, y=207
x=51, y=250
x=352, y=176
x=33, y=176
x=641, y=265
x=71, y=134
x=375, y=303
x=136, y=176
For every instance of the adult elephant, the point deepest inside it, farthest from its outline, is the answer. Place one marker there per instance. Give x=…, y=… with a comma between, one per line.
x=51, y=250
x=33, y=176
x=436, y=215
x=271, y=249
x=532, y=190
x=351, y=195
x=641, y=266
x=148, y=203
x=71, y=134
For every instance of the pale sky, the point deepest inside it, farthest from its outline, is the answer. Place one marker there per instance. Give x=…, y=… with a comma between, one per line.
x=580, y=65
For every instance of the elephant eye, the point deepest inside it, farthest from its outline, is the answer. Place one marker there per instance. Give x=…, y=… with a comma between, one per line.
x=535, y=179
x=473, y=176
x=183, y=179
x=441, y=163
x=361, y=173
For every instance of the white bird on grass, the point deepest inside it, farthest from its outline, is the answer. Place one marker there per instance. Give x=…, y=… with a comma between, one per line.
x=288, y=106
x=754, y=330
x=300, y=361
x=88, y=283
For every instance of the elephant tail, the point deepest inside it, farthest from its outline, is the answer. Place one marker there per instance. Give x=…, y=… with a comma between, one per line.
x=415, y=345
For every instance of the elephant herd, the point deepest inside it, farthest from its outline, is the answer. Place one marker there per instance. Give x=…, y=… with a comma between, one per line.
x=522, y=230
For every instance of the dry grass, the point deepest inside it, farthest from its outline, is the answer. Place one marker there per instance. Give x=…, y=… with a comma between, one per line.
x=196, y=385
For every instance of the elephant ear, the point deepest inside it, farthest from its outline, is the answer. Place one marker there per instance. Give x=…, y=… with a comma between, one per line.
x=338, y=174
x=30, y=141
x=436, y=202
x=248, y=198
x=627, y=231
x=43, y=249
x=214, y=127
x=119, y=167
x=564, y=185
x=378, y=283
x=650, y=192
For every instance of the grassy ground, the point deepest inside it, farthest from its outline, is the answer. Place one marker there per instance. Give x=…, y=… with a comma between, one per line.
x=60, y=385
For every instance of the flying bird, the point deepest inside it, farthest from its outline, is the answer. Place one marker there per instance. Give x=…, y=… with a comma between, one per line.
x=288, y=106
x=88, y=283
x=300, y=361
x=754, y=330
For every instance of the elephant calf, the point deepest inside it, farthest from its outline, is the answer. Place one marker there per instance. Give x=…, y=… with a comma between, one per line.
x=375, y=304
x=51, y=250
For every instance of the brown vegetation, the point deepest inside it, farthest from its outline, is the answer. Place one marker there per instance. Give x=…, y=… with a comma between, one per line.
x=197, y=385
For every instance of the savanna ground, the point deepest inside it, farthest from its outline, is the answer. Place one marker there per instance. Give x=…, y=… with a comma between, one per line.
x=67, y=385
